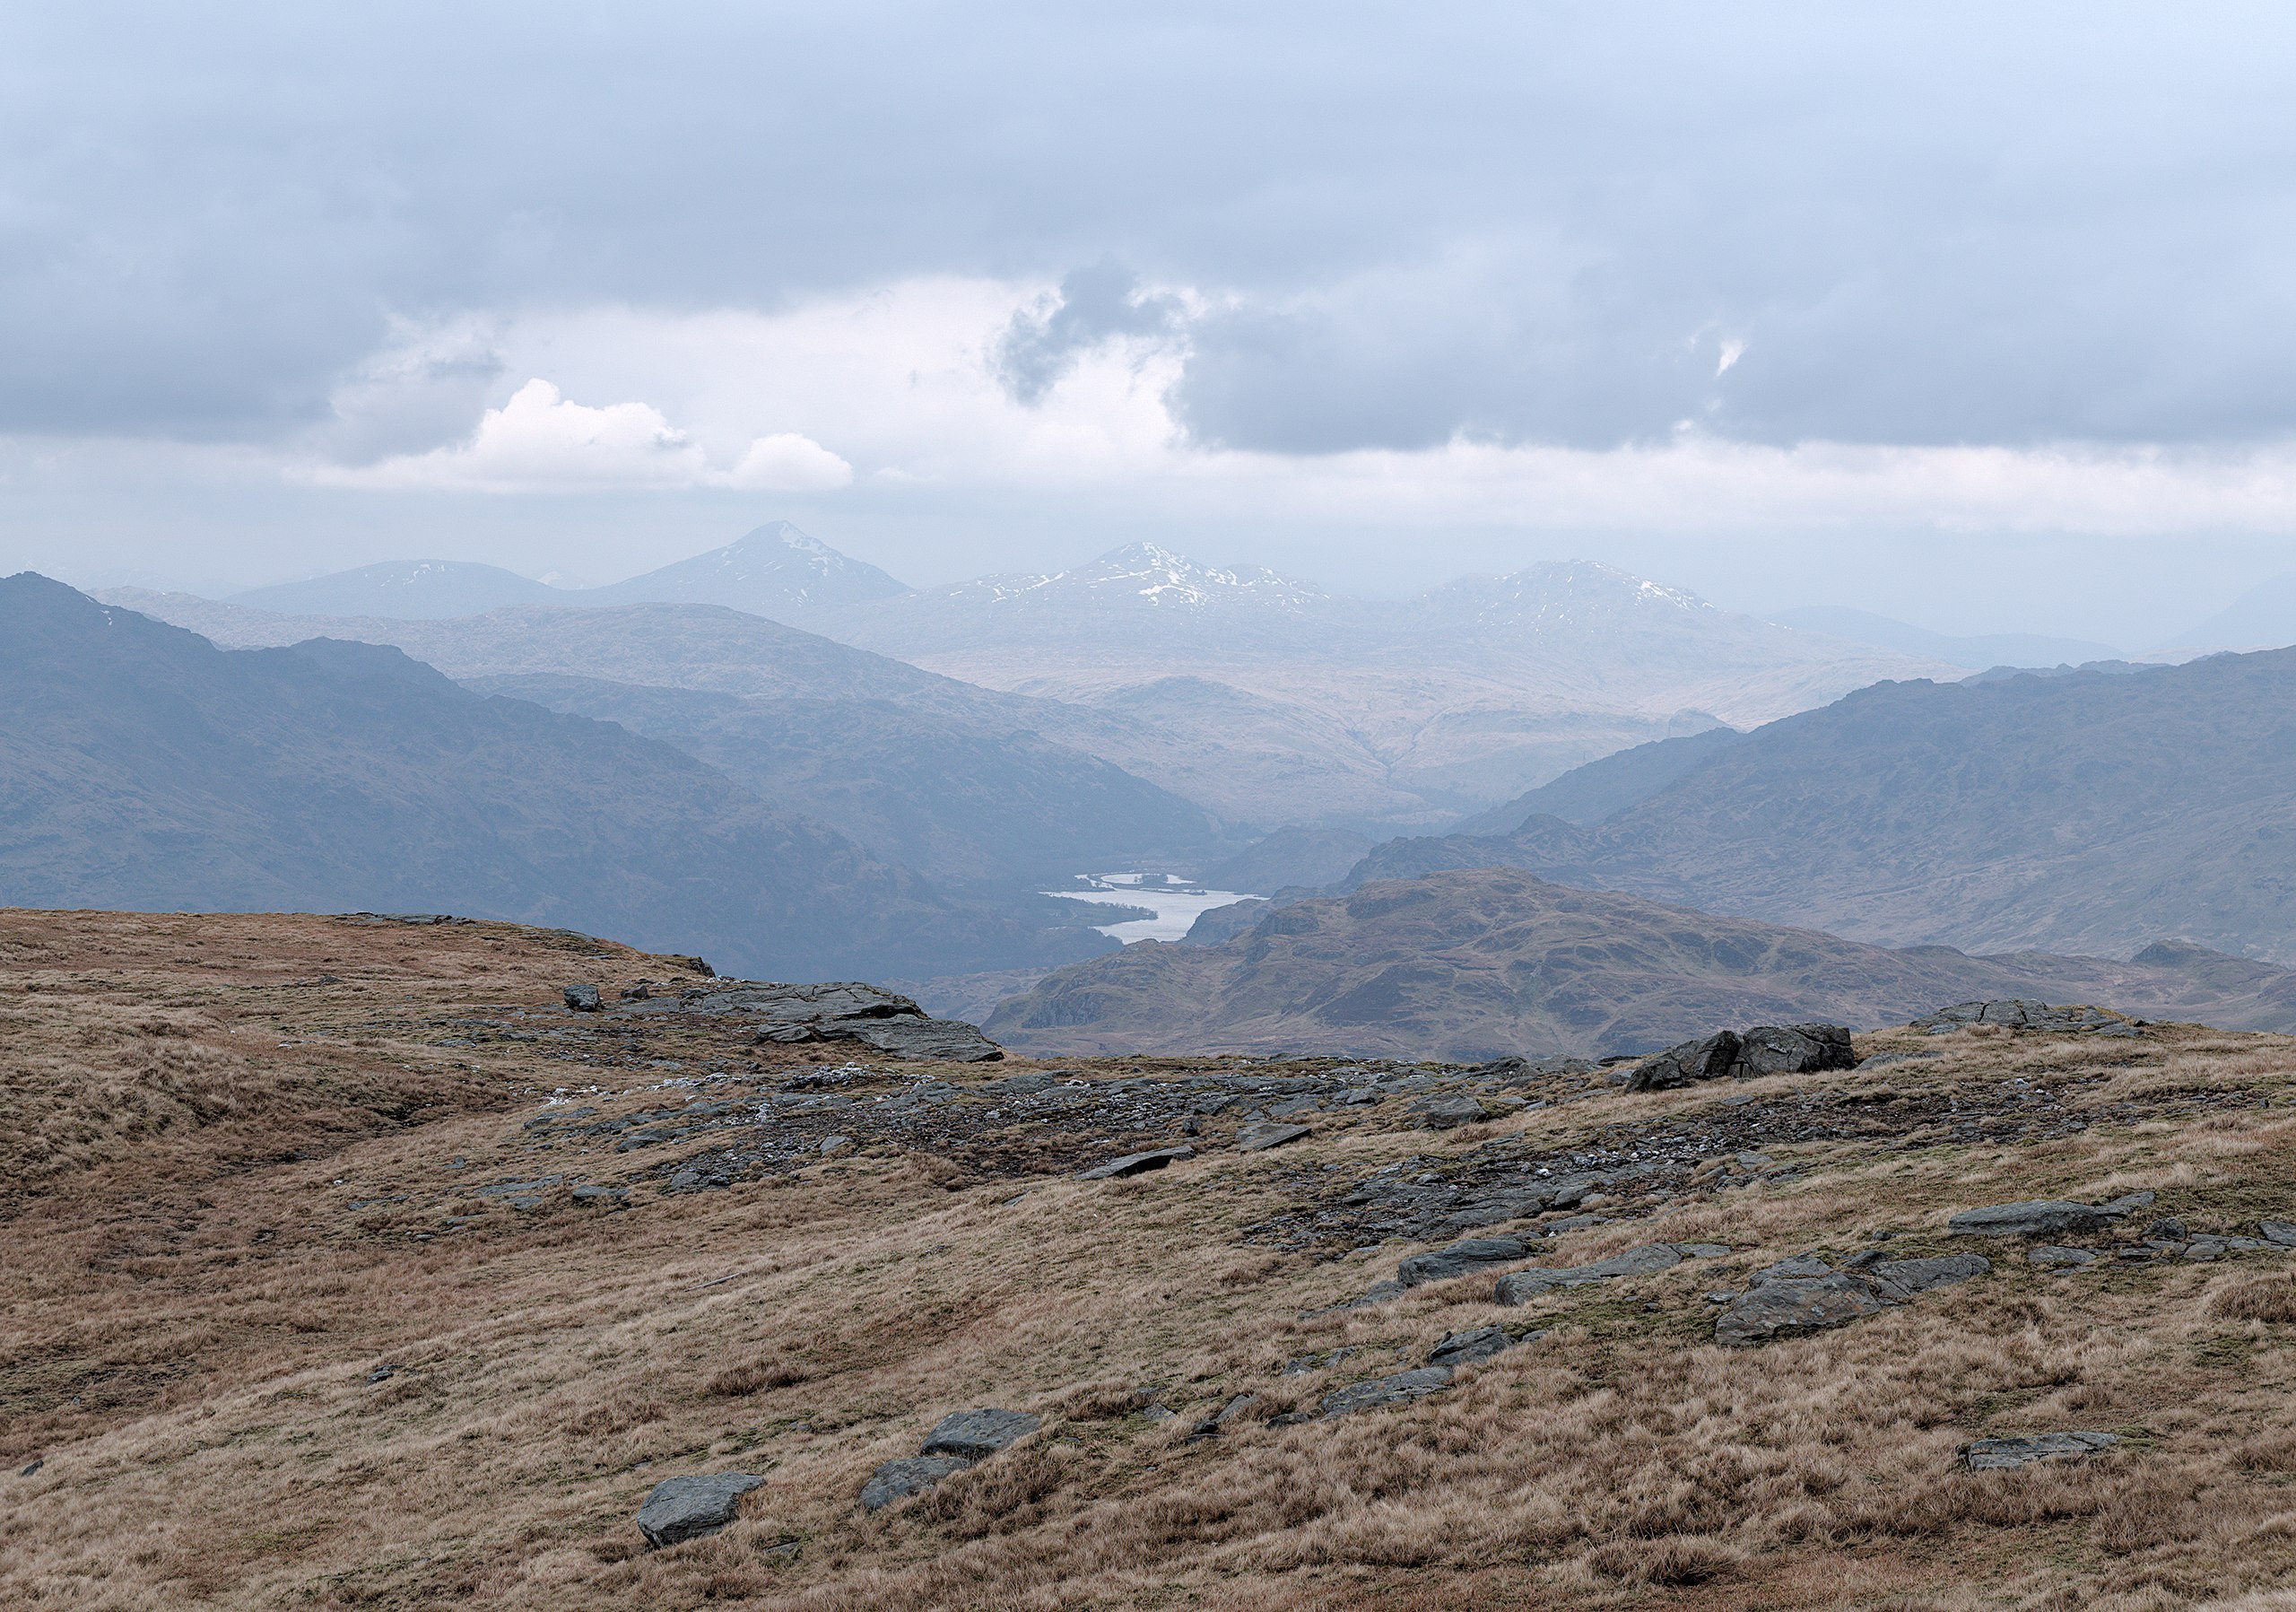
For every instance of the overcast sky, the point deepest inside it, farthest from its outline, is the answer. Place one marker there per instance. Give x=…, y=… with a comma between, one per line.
x=1981, y=315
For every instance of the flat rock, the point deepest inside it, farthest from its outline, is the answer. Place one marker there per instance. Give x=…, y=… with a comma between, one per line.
x=1793, y=1268
x=2019, y=1012
x=975, y=1435
x=1397, y=1389
x=1134, y=1164
x=2281, y=1232
x=1784, y=1308
x=1441, y=1113
x=1260, y=1136
x=1465, y=1348
x=1461, y=1259
x=1996, y=1455
x=941, y=1041
x=697, y=1503
x=2036, y=1217
x=1521, y=1286
x=2050, y=1254
x=911, y=1475
x=1919, y=1276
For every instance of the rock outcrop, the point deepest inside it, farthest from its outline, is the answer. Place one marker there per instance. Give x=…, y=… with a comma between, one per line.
x=842, y=1011
x=690, y=1506
x=1764, y=1049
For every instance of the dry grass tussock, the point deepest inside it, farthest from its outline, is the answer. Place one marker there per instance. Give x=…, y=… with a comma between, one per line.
x=216, y=1241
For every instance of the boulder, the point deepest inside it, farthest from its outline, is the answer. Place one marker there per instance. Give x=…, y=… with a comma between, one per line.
x=688, y=1507
x=2280, y=1231
x=1793, y=1049
x=1997, y=1455
x=1461, y=1259
x=975, y=1435
x=1397, y=1389
x=1919, y=1276
x=911, y=1475
x=581, y=998
x=2018, y=1013
x=2035, y=1218
x=2047, y=1254
x=1520, y=1288
x=1441, y=1113
x=1709, y=1059
x=1136, y=1164
x=1790, y=1307
x=941, y=1041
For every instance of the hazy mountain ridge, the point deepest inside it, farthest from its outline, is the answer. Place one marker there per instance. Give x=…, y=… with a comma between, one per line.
x=2085, y=811
x=1482, y=962
x=147, y=767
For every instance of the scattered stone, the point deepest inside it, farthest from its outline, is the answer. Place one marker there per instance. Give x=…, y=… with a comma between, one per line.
x=1211, y=1426
x=582, y=999
x=1996, y=1455
x=2020, y=1014
x=1379, y=1391
x=2280, y=1231
x=382, y=1373
x=1465, y=1348
x=688, y=1507
x=612, y=1198
x=1441, y=1113
x=1520, y=1288
x=911, y=1475
x=2037, y=1218
x=1260, y=1136
x=975, y=1435
x=1461, y=1259
x=2167, y=1228
x=32, y=1468
x=1883, y=1061
x=2049, y=1254
x=1793, y=1268
x=835, y=1144
x=1784, y=1309
x=1134, y=1164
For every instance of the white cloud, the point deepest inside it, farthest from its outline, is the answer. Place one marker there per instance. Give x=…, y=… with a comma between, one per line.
x=543, y=442
x=787, y=462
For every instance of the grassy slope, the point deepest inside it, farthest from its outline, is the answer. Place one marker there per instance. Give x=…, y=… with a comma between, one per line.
x=190, y=1320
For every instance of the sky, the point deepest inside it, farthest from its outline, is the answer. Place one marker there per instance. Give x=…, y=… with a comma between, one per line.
x=1981, y=316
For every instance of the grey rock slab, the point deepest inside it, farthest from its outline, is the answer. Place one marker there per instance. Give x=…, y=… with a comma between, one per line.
x=1134, y=1164
x=1919, y=1276
x=1398, y=1389
x=1772, y=1310
x=2280, y=1231
x=911, y=1475
x=688, y=1506
x=941, y=1041
x=1997, y=1455
x=2036, y=1217
x=1465, y=1348
x=1441, y=1113
x=978, y=1434
x=1461, y=1259
x=1259, y=1137
x=1211, y=1426
x=1795, y=1269
x=2050, y=1254
x=1521, y=1286
x=581, y=998
x=1700, y=1251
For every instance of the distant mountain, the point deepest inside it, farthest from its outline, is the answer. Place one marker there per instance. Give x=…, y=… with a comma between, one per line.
x=1310, y=857
x=2087, y=811
x=775, y=571
x=1362, y=714
x=1979, y=652
x=145, y=767
x=2263, y=618
x=403, y=589
x=963, y=782
x=1593, y=792
x=1480, y=964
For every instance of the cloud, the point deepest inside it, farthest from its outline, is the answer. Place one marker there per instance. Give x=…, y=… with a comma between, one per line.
x=787, y=462
x=1095, y=305
x=542, y=441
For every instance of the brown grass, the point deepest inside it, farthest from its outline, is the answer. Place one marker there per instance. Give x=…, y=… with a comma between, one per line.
x=191, y=1316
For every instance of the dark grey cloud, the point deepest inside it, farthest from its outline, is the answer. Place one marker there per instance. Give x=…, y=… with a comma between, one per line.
x=1946, y=223
x=1095, y=305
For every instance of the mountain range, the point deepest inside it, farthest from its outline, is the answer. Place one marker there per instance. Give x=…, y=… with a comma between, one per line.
x=145, y=767
x=775, y=571
x=2086, y=811
x=1478, y=963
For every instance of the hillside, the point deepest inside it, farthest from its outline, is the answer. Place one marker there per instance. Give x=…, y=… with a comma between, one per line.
x=2087, y=811
x=145, y=767
x=411, y=590
x=963, y=782
x=1593, y=792
x=319, y=1296
x=1493, y=962
x=775, y=571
